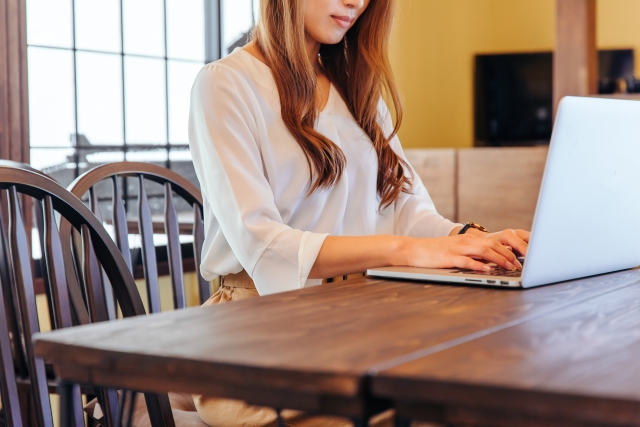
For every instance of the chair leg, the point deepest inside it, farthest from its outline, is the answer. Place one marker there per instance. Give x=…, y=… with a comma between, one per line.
x=360, y=422
x=126, y=404
x=69, y=393
x=26, y=406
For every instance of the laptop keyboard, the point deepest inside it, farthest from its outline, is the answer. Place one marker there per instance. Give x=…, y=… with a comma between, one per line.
x=497, y=271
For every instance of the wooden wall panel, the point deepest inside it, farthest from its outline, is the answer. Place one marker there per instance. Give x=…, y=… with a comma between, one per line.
x=498, y=187
x=575, y=63
x=436, y=168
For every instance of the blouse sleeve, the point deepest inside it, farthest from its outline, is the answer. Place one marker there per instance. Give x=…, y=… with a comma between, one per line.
x=415, y=213
x=224, y=135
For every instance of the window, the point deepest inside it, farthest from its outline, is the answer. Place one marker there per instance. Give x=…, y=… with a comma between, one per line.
x=110, y=80
x=238, y=18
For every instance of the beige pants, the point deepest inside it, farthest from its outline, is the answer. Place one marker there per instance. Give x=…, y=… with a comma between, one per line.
x=218, y=412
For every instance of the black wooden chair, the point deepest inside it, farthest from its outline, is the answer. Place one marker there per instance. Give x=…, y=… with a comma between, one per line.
x=118, y=179
x=14, y=327
x=18, y=312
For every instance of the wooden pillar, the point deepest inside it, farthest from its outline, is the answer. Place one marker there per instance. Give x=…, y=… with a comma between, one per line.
x=14, y=113
x=575, y=63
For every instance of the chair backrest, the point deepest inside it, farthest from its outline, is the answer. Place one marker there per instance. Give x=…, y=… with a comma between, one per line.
x=38, y=223
x=116, y=175
x=98, y=251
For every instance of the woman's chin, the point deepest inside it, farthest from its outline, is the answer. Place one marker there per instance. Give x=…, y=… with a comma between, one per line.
x=330, y=37
x=332, y=40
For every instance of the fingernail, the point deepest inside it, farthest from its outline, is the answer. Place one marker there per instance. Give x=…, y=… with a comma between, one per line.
x=518, y=265
x=510, y=266
x=487, y=268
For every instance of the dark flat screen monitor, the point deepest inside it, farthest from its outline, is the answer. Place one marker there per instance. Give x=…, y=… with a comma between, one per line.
x=513, y=99
x=514, y=95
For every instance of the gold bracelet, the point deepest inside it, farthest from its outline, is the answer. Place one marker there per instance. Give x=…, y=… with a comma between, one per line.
x=469, y=225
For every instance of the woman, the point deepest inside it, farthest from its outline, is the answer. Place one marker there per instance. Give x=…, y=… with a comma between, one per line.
x=300, y=167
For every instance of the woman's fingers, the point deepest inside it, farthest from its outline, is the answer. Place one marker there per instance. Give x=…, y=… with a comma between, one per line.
x=492, y=251
x=508, y=254
x=470, y=264
x=513, y=239
x=523, y=234
x=499, y=255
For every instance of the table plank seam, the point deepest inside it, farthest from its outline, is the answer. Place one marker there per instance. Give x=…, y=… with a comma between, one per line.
x=428, y=351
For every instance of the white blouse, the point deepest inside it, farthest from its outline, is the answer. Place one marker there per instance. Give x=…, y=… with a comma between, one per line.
x=254, y=178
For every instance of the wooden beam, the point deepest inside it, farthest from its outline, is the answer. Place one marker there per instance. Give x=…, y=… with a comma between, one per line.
x=575, y=63
x=14, y=127
x=14, y=110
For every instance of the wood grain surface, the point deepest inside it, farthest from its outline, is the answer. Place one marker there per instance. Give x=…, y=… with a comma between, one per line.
x=575, y=366
x=310, y=349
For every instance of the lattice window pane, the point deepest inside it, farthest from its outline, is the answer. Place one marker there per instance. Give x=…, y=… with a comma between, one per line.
x=144, y=27
x=181, y=77
x=98, y=25
x=238, y=17
x=185, y=29
x=145, y=100
x=51, y=97
x=49, y=23
x=100, y=98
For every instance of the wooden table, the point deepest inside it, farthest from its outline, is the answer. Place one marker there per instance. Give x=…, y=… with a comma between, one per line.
x=312, y=349
x=577, y=366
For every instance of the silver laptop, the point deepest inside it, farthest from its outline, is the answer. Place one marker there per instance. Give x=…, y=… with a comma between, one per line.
x=587, y=220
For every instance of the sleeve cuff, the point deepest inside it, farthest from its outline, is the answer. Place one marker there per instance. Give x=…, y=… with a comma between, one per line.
x=310, y=246
x=433, y=227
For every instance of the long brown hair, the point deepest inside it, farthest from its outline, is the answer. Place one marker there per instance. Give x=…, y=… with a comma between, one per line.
x=359, y=68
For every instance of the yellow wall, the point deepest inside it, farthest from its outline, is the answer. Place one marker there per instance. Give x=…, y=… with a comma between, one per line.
x=434, y=46
x=618, y=26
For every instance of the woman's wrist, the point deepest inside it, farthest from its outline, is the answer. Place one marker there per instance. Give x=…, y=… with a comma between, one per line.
x=476, y=232
x=401, y=250
x=472, y=231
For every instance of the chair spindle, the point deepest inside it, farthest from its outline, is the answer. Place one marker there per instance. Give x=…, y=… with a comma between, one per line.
x=204, y=288
x=38, y=220
x=13, y=307
x=92, y=279
x=24, y=282
x=174, y=252
x=149, y=262
x=110, y=298
x=120, y=222
x=8, y=387
x=52, y=254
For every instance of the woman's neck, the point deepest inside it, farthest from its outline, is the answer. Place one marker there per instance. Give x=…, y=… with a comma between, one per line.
x=313, y=50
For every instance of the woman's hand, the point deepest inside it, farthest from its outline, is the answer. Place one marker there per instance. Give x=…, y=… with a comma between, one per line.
x=342, y=255
x=469, y=250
